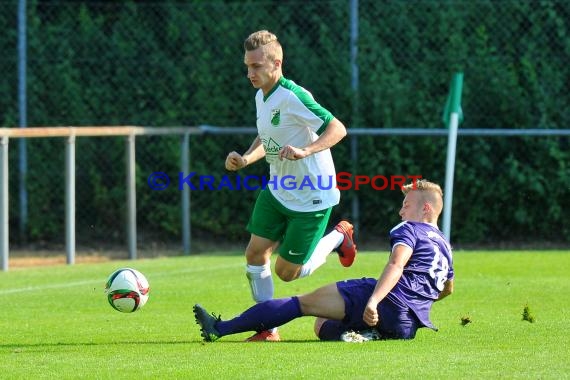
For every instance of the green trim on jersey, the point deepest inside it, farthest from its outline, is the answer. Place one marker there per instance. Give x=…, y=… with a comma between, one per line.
x=265, y=97
x=290, y=116
x=308, y=101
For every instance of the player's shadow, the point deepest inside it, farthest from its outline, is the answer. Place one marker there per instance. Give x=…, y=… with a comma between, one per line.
x=15, y=346
x=30, y=346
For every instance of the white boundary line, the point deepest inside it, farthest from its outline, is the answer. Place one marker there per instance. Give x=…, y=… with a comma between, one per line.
x=102, y=282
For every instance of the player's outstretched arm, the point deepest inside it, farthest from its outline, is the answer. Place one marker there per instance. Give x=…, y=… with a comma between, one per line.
x=388, y=279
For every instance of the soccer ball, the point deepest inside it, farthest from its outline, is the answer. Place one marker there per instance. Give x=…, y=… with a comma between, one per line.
x=127, y=290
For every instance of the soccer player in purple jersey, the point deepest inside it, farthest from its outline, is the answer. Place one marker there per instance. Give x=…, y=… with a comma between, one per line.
x=418, y=273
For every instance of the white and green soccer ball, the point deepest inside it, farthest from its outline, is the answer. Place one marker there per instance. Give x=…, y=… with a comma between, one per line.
x=127, y=290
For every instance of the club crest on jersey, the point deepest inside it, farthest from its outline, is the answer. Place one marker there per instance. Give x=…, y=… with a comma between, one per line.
x=275, y=117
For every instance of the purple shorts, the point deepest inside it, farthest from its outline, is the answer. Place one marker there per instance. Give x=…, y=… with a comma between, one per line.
x=397, y=320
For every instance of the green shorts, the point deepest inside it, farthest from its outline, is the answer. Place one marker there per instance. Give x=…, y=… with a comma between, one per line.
x=297, y=232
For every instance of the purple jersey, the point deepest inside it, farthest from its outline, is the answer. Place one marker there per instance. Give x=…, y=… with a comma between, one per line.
x=427, y=269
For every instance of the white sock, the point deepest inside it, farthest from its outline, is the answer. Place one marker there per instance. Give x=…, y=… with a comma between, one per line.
x=324, y=247
x=260, y=282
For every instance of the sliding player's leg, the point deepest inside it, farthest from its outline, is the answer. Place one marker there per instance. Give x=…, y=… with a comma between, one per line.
x=325, y=302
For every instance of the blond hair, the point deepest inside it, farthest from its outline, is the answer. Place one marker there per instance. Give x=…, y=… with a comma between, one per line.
x=431, y=192
x=267, y=41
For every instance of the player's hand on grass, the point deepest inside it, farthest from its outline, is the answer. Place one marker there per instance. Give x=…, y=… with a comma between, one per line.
x=235, y=161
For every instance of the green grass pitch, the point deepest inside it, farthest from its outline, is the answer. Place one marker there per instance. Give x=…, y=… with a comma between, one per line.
x=55, y=322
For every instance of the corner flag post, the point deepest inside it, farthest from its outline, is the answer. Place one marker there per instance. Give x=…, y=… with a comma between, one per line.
x=452, y=116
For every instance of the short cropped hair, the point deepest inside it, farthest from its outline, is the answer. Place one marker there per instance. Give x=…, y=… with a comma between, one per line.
x=263, y=38
x=431, y=192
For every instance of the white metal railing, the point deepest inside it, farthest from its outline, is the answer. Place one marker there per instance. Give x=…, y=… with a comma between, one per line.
x=71, y=133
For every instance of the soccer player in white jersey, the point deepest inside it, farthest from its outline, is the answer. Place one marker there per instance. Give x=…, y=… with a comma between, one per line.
x=418, y=273
x=295, y=135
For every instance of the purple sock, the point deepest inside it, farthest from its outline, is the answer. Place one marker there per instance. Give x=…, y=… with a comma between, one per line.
x=332, y=330
x=262, y=316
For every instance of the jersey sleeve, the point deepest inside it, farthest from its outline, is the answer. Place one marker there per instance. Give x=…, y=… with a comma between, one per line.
x=404, y=234
x=305, y=108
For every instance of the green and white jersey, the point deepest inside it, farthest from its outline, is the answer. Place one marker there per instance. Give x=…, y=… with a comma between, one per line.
x=289, y=115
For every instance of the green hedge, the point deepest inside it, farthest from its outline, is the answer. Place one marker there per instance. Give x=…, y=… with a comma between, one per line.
x=166, y=63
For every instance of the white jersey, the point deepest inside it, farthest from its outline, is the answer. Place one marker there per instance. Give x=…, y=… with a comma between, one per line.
x=289, y=115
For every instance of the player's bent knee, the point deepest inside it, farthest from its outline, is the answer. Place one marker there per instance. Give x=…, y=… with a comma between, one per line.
x=256, y=256
x=287, y=273
x=259, y=250
x=286, y=276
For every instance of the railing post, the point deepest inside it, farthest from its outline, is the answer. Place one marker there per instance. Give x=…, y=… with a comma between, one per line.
x=131, y=198
x=70, y=199
x=4, y=236
x=185, y=194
